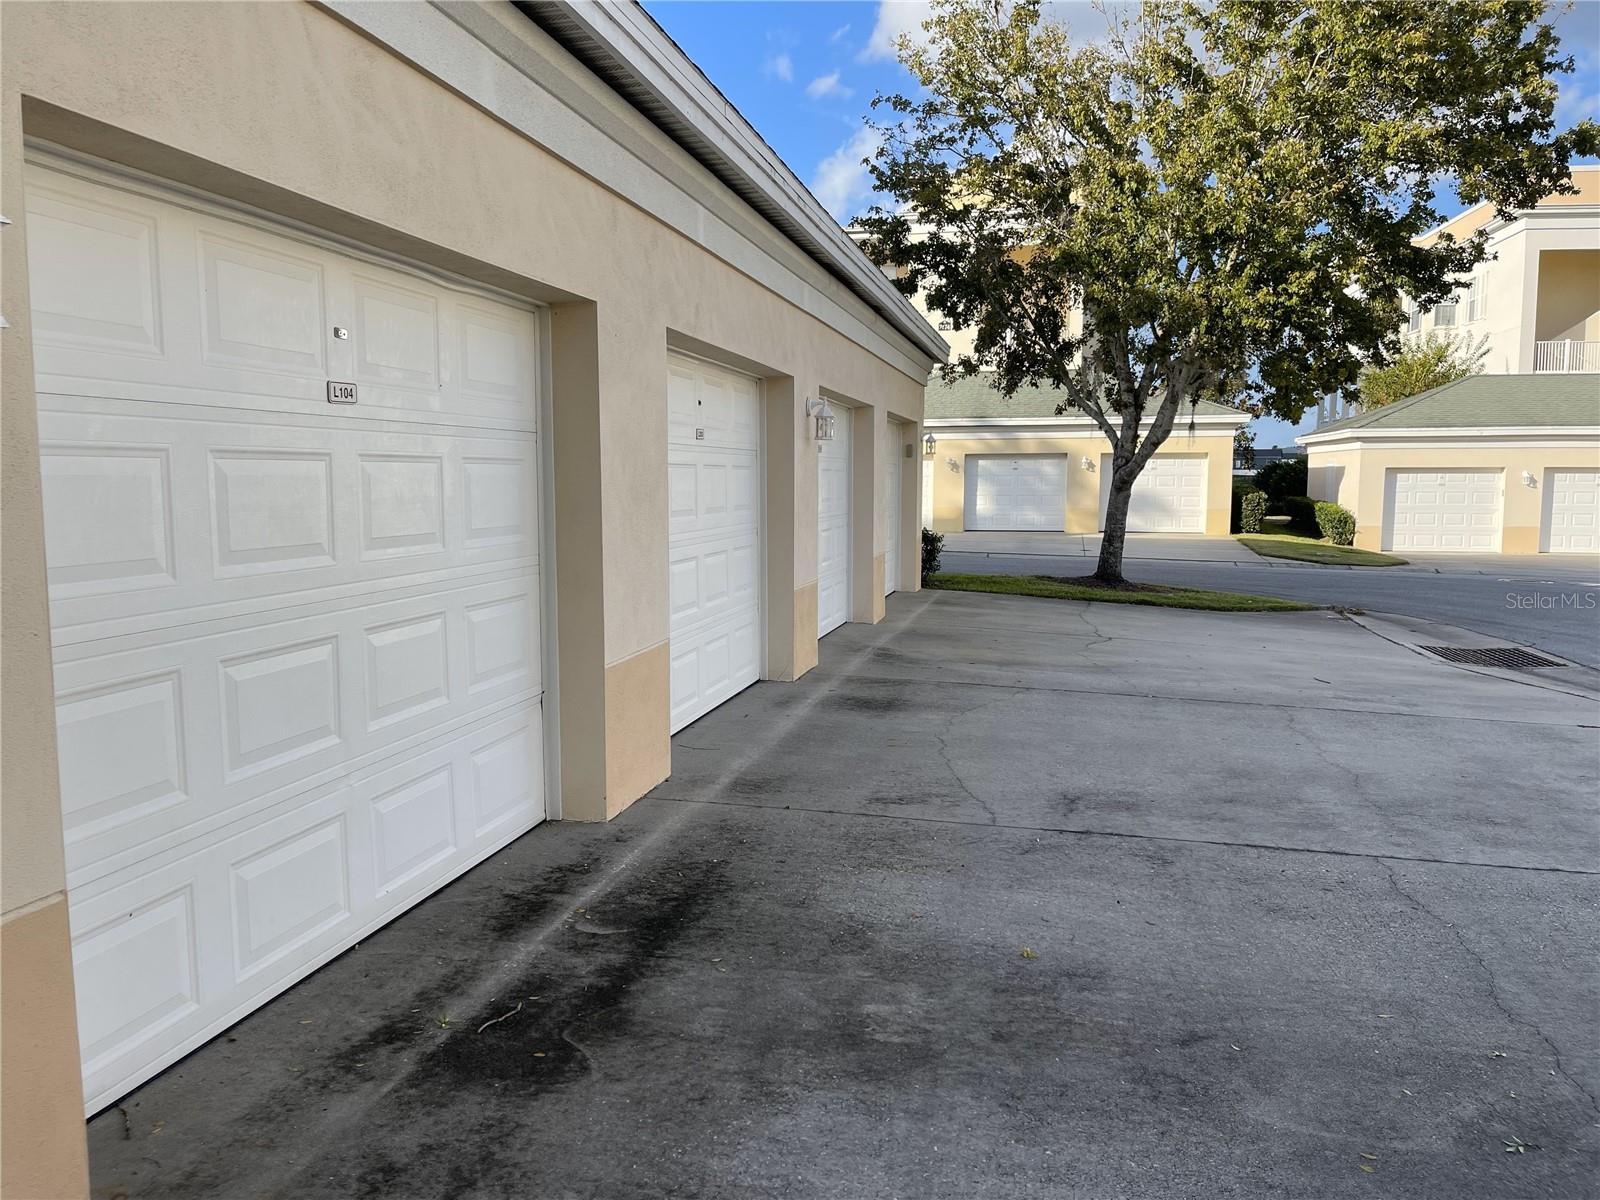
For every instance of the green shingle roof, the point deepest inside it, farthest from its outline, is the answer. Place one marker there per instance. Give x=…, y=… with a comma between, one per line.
x=1489, y=402
x=976, y=397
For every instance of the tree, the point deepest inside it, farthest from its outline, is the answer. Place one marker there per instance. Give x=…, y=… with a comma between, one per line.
x=1244, y=448
x=1430, y=361
x=1228, y=190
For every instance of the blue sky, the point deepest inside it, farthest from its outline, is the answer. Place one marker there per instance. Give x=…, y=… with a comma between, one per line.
x=804, y=72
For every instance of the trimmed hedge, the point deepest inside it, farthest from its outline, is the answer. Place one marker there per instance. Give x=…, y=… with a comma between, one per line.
x=932, y=544
x=1240, y=513
x=1302, y=513
x=1337, y=524
x=1252, y=507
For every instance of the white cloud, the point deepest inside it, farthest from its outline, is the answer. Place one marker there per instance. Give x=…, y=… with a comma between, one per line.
x=838, y=33
x=780, y=65
x=1577, y=98
x=841, y=181
x=894, y=18
x=828, y=85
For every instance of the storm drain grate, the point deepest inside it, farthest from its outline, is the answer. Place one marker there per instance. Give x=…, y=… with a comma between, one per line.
x=1506, y=657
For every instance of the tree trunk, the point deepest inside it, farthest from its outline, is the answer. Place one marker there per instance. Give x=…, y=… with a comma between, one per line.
x=1109, y=568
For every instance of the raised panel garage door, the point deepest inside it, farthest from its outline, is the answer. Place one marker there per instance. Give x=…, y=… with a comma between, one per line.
x=714, y=534
x=1572, y=525
x=1442, y=511
x=1016, y=492
x=297, y=644
x=1169, y=496
x=833, y=528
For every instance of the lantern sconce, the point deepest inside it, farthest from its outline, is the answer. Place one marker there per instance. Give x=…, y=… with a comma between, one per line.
x=929, y=445
x=817, y=408
x=1528, y=480
x=1088, y=464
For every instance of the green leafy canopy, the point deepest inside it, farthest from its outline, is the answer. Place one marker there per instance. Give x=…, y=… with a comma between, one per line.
x=1207, y=198
x=1421, y=364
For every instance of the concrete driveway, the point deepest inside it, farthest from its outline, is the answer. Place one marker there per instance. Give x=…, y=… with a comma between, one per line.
x=1551, y=602
x=1009, y=898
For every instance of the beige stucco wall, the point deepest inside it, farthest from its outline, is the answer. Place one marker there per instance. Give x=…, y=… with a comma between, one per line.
x=1362, y=474
x=287, y=108
x=1569, y=296
x=42, y=1151
x=1082, y=513
x=1334, y=475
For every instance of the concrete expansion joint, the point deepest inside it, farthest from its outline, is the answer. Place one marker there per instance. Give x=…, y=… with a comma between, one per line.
x=1078, y=831
x=1492, y=984
x=1276, y=706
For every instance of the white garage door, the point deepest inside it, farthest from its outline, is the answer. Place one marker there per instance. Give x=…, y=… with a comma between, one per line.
x=297, y=644
x=1169, y=496
x=1573, y=523
x=714, y=533
x=893, y=457
x=1016, y=492
x=1442, y=510
x=833, y=527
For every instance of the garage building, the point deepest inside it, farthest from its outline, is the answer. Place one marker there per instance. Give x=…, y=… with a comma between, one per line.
x=1015, y=464
x=1491, y=464
x=384, y=479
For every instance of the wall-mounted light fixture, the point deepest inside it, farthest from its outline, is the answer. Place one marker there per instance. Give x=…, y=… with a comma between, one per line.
x=953, y=465
x=1528, y=480
x=929, y=444
x=822, y=416
x=1088, y=463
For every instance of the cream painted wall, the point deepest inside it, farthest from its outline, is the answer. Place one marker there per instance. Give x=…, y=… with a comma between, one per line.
x=133, y=67
x=1569, y=296
x=1334, y=475
x=1366, y=470
x=1082, y=513
x=291, y=110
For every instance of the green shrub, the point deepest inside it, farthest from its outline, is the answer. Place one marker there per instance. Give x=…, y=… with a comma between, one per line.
x=932, y=544
x=1248, y=506
x=1302, y=513
x=1252, y=507
x=1282, y=479
x=1337, y=524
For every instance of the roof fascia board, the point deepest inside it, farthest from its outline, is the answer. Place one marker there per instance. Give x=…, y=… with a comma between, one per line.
x=1004, y=435
x=1507, y=434
x=657, y=64
x=1066, y=422
x=514, y=83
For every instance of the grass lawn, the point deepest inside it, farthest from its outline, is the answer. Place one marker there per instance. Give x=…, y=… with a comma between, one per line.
x=1153, y=594
x=1278, y=541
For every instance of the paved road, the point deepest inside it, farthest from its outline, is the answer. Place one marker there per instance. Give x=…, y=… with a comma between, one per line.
x=1555, y=607
x=1010, y=899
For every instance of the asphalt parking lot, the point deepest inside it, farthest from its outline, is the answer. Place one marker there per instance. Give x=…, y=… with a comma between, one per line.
x=1009, y=898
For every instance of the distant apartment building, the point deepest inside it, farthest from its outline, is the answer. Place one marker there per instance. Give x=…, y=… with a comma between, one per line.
x=1534, y=303
x=1535, y=299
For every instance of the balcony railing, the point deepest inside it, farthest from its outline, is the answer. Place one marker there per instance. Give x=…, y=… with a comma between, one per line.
x=1566, y=356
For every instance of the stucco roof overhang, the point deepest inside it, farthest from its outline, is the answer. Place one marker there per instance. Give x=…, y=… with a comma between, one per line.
x=622, y=44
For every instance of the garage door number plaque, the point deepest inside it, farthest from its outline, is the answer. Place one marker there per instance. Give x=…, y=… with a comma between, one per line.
x=341, y=393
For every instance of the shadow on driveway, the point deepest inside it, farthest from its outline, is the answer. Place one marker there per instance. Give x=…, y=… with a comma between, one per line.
x=1009, y=898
